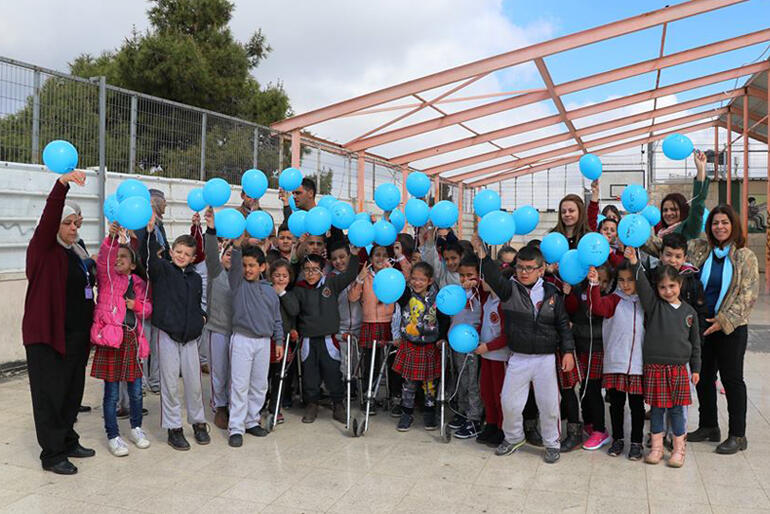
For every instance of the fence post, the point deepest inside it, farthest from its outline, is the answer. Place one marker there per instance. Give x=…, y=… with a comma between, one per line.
x=203, y=146
x=102, y=151
x=255, y=156
x=36, y=118
x=132, y=136
x=280, y=153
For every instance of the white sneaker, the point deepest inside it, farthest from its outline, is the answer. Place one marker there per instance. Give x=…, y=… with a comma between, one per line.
x=138, y=438
x=117, y=447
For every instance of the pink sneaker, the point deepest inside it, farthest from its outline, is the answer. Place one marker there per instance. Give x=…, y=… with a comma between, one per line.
x=588, y=428
x=596, y=441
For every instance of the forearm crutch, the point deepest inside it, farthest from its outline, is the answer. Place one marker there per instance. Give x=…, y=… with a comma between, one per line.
x=272, y=419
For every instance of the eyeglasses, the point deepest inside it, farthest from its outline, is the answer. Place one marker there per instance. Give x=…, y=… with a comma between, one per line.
x=527, y=269
x=312, y=270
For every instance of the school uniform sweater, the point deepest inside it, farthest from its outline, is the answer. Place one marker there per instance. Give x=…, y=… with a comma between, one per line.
x=256, y=308
x=471, y=313
x=622, y=331
x=491, y=331
x=219, y=308
x=671, y=335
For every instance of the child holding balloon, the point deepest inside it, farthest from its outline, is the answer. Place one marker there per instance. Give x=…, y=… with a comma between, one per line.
x=671, y=341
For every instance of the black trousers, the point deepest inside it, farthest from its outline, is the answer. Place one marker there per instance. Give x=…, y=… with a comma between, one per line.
x=593, y=405
x=617, y=413
x=317, y=367
x=570, y=407
x=723, y=353
x=56, y=383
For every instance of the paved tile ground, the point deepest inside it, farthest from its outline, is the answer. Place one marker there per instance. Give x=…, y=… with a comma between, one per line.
x=318, y=468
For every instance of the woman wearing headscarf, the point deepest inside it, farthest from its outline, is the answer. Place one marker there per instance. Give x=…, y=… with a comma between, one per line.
x=58, y=312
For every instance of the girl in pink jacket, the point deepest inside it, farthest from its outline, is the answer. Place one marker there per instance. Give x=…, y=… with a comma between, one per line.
x=122, y=304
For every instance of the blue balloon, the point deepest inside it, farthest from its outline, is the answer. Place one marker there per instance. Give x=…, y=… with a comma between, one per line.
x=705, y=217
x=132, y=187
x=451, y=299
x=444, y=214
x=195, y=199
x=361, y=233
x=634, y=198
x=292, y=205
x=60, y=156
x=590, y=166
x=486, y=201
x=677, y=147
x=571, y=269
x=318, y=221
x=385, y=233
x=134, y=212
x=254, y=183
x=363, y=216
x=259, y=224
x=600, y=218
x=342, y=214
x=111, y=205
x=398, y=219
x=497, y=227
x=326, y=202
x=388, y=285
x=230, y=223
x=651, y=214
x=418, y=184
x=369, y=249
x=297, y=223
x=553, y=246
x=290, y=179
x=387, y=197
x=417, y=212
x=593, y=249
x=216, y=192
x=463, y=338
x=634, y=230
x=526, y=219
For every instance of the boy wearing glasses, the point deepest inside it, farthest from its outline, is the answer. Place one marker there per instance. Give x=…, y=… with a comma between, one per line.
x=318, y=322
x=536, y=324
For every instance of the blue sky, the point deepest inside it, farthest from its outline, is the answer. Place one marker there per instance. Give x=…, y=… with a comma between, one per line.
x=568, y=16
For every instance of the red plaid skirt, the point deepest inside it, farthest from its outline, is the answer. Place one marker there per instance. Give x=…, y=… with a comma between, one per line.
x=567, y=379
x=118, y=364
x=379, y=332
x=418, y=361
x=666, y=385
x=631, y=384
x=594, y=371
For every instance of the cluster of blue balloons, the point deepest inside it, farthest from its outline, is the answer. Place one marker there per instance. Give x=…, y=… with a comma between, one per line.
x=60, y=156
x=129, y=205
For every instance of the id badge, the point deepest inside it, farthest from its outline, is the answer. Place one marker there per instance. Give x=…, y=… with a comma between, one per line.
x=89, y=293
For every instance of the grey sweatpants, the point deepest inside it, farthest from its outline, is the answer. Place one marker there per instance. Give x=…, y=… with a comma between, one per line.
x=174, y=358
x=249, y=364
x=468, y=391
x=218, y=346
x=540, y=370
x=151, y=364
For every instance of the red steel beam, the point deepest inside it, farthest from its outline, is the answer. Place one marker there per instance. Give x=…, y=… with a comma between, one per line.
x=753, y=135
x=505, y=60
x=592, y=129
x=657, y=74
x=532, y=159
x=575, y=158
x=565, y=88
x=548, y=81
x=745, y=188
x=582, y=112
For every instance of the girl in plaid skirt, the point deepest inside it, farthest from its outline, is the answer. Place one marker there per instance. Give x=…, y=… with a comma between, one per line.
x=623, y=334
x=417, y=327
x=671, y=340
x=118, y=334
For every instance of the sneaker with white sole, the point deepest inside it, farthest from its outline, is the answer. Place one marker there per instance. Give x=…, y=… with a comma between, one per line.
x=139, y=439
x=117, y=446
x=597, y=440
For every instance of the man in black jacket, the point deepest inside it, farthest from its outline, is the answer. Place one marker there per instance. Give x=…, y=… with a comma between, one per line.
x=537, y=325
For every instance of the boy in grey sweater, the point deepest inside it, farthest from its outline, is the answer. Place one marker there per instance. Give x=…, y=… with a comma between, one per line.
x=256, y=319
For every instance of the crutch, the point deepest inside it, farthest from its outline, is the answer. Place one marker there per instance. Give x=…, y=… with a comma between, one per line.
x=298, y=349
x=373, y=393
x=369, y=389
x=351, y=427
x=272, y=418
x=445, y=434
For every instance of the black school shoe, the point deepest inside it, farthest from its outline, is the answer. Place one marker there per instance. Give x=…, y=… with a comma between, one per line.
x=484, y=435
x=457, y=422
x=635, y=452
x=63, y=467
x=429, y=419
x=235, y=440
x=732, y=445
x=201, y=431
x=616, y=448
x=471, y=429
x=176, y=439
x=405, y=423
x=257, y=431
x=712, y=434
x=79, y=452
x=496, y=439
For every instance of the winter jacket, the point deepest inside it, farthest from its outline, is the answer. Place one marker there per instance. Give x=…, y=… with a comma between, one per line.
x=319, y=314
x=374, y=311
x=622, y=331
x=491, y=331
x=742, y=293
x=110, y=312
x=671, y=334
x=219, y=308
x=529, y=330
x=586, y=329
x=176, y=297
x=417, y=319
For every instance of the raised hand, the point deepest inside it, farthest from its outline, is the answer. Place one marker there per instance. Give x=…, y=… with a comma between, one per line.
x=595, y=190
x=114, y=229
x=196, y=219
x=208, y=215
x=700, y=163
x=76, y=176
x=630, y=254
x=593, y=276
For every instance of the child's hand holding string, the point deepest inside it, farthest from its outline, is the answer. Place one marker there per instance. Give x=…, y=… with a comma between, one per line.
x=76, y=176
x=593, y=276
x=567, y=362
x=481, y=349
x=478, y=246
x=695, y=378
x=114, y=229
x=208, y=215
x=279, y=352
x=630, y=254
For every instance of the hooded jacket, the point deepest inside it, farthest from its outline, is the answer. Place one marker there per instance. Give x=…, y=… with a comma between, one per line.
x=256, y=308
x=622, y=331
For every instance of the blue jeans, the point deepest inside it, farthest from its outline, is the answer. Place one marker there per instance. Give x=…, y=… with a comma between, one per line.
x=110, y=403
x=675, y=416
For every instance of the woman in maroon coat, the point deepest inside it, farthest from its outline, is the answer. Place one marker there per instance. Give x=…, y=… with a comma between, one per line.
x=58, y=312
